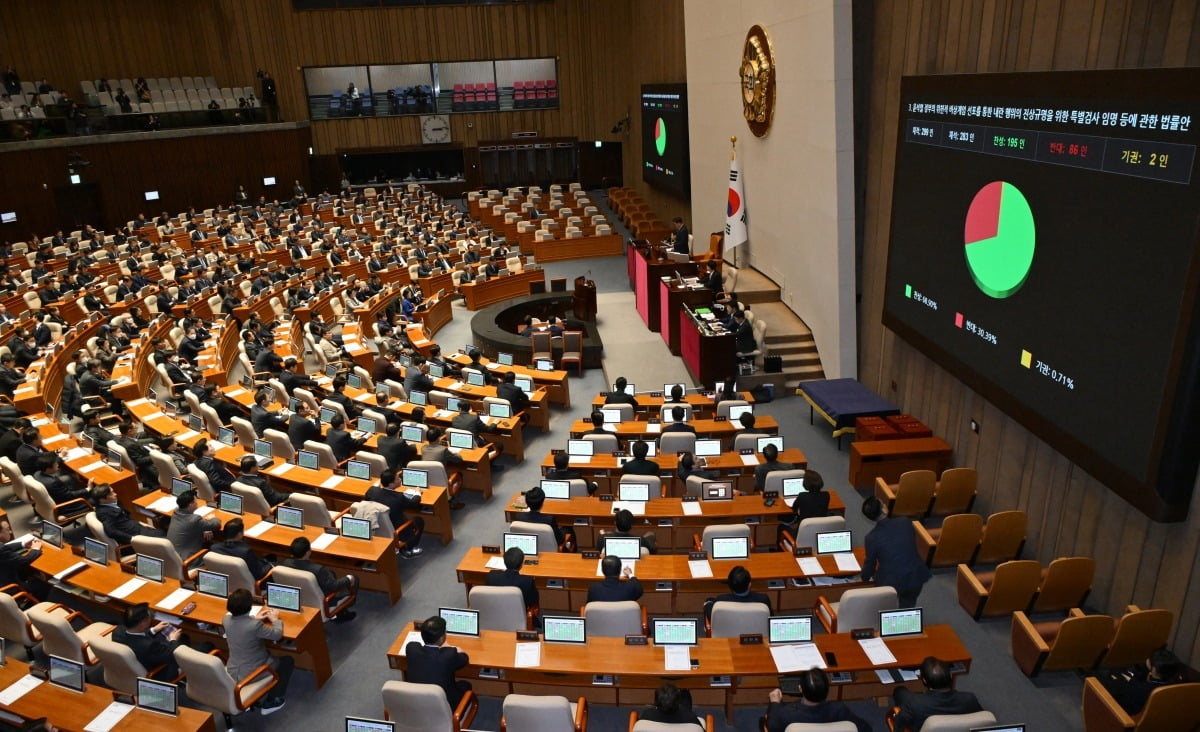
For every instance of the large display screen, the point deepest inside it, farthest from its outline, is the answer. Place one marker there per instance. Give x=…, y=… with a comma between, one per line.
x=665, y=155
x=1043, y=249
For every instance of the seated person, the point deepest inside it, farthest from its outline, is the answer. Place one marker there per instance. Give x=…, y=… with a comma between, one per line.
x=941, y=697
x=679, y=421
x=330, y=584
x=340, y=441
x=623, y=522
x=562, y=470
x=618, y=395
x=672, y=705
x=62, y=488
x=153, y=643
x=234, y=545
x=248, y=474
x=511, y=576
x=597, y=420
x=639, y=465
x=1132, y=687
x=611, y=588
x=398, y=502
x=770, y=462
x=739, y=591
x=812, y=502
x=535, y=498
x=432, y=662
x=15, y=561
x=813, y=708
x=686, y=468
x=118, y=523
x=676, y=395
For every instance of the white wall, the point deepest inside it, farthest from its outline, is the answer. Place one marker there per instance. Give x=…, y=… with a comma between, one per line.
x=799, y=179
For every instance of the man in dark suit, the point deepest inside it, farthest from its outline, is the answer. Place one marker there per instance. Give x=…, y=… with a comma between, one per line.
x=618, y=395
x=743, y=333
x=292, y=377
x=234, y=545
x=60, y=487
x=152, y=643
x=338, y=395
x=509, y=390
x=10, y=378
x=385, y=368
x=1131, y=688
x=395, y=450
x=939, y=699
x=387, y=493
x=679, y=421
x=891, y=554
x=340, y=441
x=218, y=475
x=813, y=708
x=679, y=237
x=15, y=560
x=330, y=584
x=263, y=419
x=770, y=462
x=812, y=502
x=248, y=474
x=535, y=498
x=267, y=361
x=611, y=588
x=431, y=662
x=739, y=591
x=117, y=522
x=468, y=421
x=639, y=465
x=302, y=428
x=511, y=576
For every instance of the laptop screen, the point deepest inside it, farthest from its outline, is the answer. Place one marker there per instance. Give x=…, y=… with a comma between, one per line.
x=262, y=448
x=776, y=440
x=195, y=423
x=366, y=424
x=412, y=433
x=900, y=622
x=283, y=597
x=624, y=547
x=790, y=629
x=461, y=440
x=499, y=411
x=354, y=381
x=792, y=487
x=564, y=629
x=360, y=469
x=524, y=383
x=226, y=436
x=674, y=631
x=460, y=622
x=717, y=490
x=113, y=458
x=580, y=448
x=418, y=398
x=293, y=518
x=474, y=378
x=453, y=404
x=331, y=370
x=149, y=568
x=611, y=416
x=95, y=550
x=730, y=547
x=668, y=387
x=230, y=503
x=651, y=447
x=157, y=696
x=413, y=478
x=308, y=459
x=525, y=542
x=559, y=490
x=66, y=673
x=326, y=415
x=436, y=370
x=353, y=528
x=708, y=448
x=545, y=364
x=834, y=542
x=212, y=583
x=505, y=359
x=630, y=389
x=361, y=724
x=633, y=491
x=737, y=410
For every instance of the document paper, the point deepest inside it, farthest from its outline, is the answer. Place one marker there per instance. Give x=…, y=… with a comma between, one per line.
x=18, y=689
x=810, y=565
x=323, y=541
x=171, y=601
x=692, y=508
x=128, y=588
x=847, y=562
x=700, y=568
x=677, y=658
x=799, y=657
x=528, y=655
x=109, y=718
x=877, y=651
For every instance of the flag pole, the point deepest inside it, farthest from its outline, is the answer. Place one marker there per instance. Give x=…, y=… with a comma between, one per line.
x=732, y=157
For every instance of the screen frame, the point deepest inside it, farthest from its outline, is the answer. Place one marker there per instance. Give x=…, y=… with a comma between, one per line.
x=151, y=682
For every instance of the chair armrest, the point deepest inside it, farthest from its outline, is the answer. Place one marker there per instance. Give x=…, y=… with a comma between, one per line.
x=787, y=541
x=531, y=614
x=399, y=530
x=244, y=704
x=340, y=514
x=970, y=588
x=633, y=719
x=645, y=622
x=581, y=715
x=925, y=543
x=1029, y=649
x=707, y=625
x=73, y=614
x=890, y=718
x=708, y=723
x=81, y=506
x=17, y=592
x=464, y=713
x=1102, y=713
x=826, y=614
x=194, y=558
x=1076, y=613
x=885, y=492
x=260, y=583
x=697, y=544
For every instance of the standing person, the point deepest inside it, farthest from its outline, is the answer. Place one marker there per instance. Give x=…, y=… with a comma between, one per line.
x=892, y=557
x=679, y=237
x=432, y=662
x=269, y=94
x=939, y=699
x=247, y=638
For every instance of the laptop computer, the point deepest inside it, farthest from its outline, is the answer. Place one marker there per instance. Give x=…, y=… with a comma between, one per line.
x=149, y=568
x=326, y=415
x=637, y=492
x=353, y=528
x=668, y=387
x=436, y=370
x=544, y=364
x=623, y=547
x=564, y=629
x=212, y=583
x=283, y=597
x=66, y=673
x=580, y=448
x=524, y=383
x=785, y=629
x=834, y=542
x=195, y=423
x=611, y=416
x=708, y=447
x=331, y=370
x=95, y=551
x=525, y=542
x=366, y=425
x=630, y=389
x=674, y=631
x=157, y=696
x=731, y=547
x=460, y=622
x=293, y=518
x=226, y=436
x=558, y=490
x=230, y=503
x=736, y=411
x=359, y=469
x=418, y=398
x=716, y=490
x=893, y=623
x=776, y=440
x=792, y=487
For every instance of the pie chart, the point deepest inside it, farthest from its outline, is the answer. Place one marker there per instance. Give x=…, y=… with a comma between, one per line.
x=660, y=135
x=999, y=236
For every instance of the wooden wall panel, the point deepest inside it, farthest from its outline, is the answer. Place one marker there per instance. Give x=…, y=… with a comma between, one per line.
x=1140, y=562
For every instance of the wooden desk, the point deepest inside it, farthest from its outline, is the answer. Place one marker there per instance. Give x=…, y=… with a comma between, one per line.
x=887, y=459
x=752, y=672
x=373, y=562
x=437, y=312
x=648, y=272
x=680, y=592
x=590, y=517
x=90, y=466
x=303, y=632
x=555, y=382
x=723, y=429
x=481, y=294
x=709, y=357
x=704, y=405
x=672, y=299
x=609, y=245
x=69, y=711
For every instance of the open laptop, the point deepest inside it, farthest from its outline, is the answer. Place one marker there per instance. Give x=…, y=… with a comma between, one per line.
x=776, y=440
x=196, y=422
x=262, y=453
x=834, y=542
x=95, y=551
x=66, y=673
x=564, y=629
x=436, y=371
x=630, y=389
x=894, y=623
x=230, y=503
x=412, y=433
x=460, y=622
x=353, y=528
x=558, y=490
x=226, y=436
x=359, y=469
x=527, y=543
x=708, y=447
x=452, y=404
x=149, y=568
x=611, y=416
x=668, y=387
x=581, y=449
x=731, y=547
x=785, y=629
x=283, y=597
x=113, y=458
x=716, y=490
x=157, y=696
x=623, y=547
x=354, y=381
x=414, y=478
x=293, y=518
x=637, y=492
x=674, y=631
x=212, y=583
x=792, y=487
x=52, y=534
x=362, y=724
x=737, y=410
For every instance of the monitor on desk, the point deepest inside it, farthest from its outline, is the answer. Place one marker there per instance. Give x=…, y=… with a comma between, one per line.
x=784, y=629
x=95, y=551
x=283, y=597
x=157, y=696
x=436, y=370
x=412, y=433
x=293, y=518
x=414, y=478
x=362, y=724
x=708, y=447
x=651, y=447
x=525, y=542
x=623, y=547
x=151, y=396
x=418, y=398
x=460, y=622
x=736, y=411
x=230, y=503
x=453, y=404
x=674, y=631
x=326, y=414
x=505, y=359
x=354, y=381
x=668, y=387
x=544, y=364
x=894, y=623
x=331, y=370
x=834, y=542
x=212, y=583
x=630, y=389
x=269, y=392
x=112, y=458
x=262, y=448
x=366, y=424
x=360, y=469
x=792, y=487
x=52, y=534
x=85, y=441
x=149, y=568
x=525, y=384
x=580, y=448
x=716, y=490
x=308, y=459
x=731, y=547
x=66, y=673
x=564, y=629
x=475, y=378
x=405, y=360
x=720, y=387
x=637, y=492
x=179, y=486
x=558, y=490
x=294, y=404
x=776, y=440
x=226, y=436
x=195, y=422
x=353, y=528
x=461, y=440
x=499, y=411
x=611, y=416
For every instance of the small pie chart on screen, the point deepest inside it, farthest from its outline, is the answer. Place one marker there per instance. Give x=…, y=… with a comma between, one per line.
x=999, y=237
x=660, y=135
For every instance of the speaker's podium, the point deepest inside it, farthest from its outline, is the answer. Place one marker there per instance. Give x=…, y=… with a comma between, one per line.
x=584, y=299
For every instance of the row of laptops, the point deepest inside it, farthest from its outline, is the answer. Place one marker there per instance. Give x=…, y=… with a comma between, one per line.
x=613, y=416
x=151, y=695
x=454, y=404
x=723, y=547
x=560, y=490
x=705, y=447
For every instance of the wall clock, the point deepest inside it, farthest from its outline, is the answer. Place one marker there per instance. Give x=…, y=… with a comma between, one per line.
x=435, y=128
x=757, y=76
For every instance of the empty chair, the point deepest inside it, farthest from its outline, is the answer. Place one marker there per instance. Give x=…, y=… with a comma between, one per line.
x=330, y=604
x=857, y=608
x=500, y=608
x=725, y=405
x=806, y=532
x=545, y=535
x=1138, y=632
x=952, y=544
x=572, y=350
x=1065, y=584
x=954, y=491
x=1009, y=588
x=541, y=345
x=1169, y=708
x=436, y=472
x=911, y=496
x=543, y=713
x=626, y=411
x=705, y=541
x=208, y=683
x=201, y=484
x=423, y=708
x=957, y=722
x=1073, y=643
x=281, y=444
x=732, y=619
x=121, y=667
x=15, y=626
x=653, y=481
x=165, y=467
x=325, y=457
x=614, y=619
x=1003, y=538
x=59, y=638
